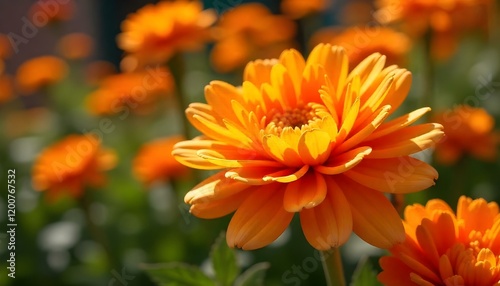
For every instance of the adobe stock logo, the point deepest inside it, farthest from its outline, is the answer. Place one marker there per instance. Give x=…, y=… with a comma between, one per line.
x=30, y=27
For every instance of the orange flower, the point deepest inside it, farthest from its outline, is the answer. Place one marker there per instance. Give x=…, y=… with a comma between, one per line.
x=247, y=32
x=361, y=42
x=442, y=248
x=71, y=164
x=136, y=91
x=75, y=46
x=6, y=88
x=468, y=131
x=40, y=72
x=154, y=161
x=446, y=19
x=155, y=32
x=51, y=12
x=5, y=47
x=308, y=136
x=300, y=8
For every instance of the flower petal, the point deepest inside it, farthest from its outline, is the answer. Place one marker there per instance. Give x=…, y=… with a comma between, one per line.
x=259, y=220
x=398, y=123
x=406, y=141
x=330, y=223
x=214, y=187
x=219, y=207
x=344, y=162
x=280, y=150
x=259, y=71
x=374, y=218
x=314, y=147
x=394, y=175
x=307, y=192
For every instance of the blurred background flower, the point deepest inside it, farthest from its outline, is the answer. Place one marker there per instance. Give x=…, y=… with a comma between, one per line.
x=40, y=72
x=444, y=248
x=68, y=166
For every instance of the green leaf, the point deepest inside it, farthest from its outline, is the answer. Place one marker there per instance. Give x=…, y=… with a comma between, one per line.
x=224, y=262
x=253, y=276
x=177, y=274
x=365, y=274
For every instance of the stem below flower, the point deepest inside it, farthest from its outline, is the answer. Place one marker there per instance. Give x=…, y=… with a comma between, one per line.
x=177, y=67
x=332, y=267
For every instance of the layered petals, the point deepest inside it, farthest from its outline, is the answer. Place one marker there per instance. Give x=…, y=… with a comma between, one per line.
x=310, y=136
x=443, y=249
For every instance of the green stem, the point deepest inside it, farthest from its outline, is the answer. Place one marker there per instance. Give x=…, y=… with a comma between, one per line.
x=177, y=67
x=429, y=72
x=332, y=267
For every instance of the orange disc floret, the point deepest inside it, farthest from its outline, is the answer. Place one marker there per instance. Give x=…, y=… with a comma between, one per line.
x=308, y=136
x=135, y=91
x=360, y=42
x=70, y=165
x=37, y=73
x=247, y=32
x=154, y=161
x=156, y=32
x=442, y=248
x=469, y=131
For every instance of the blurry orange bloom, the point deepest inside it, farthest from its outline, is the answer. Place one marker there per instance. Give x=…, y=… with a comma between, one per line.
x=5, y=47
x=75, y=46
x=50, y=12
x=154, y=161
x=71, y=164
x=362, y=42
x=247, y=32
x=6, y=88
x=40, y=72
x=356, y=12
x=136, y=91
x=468, y=131
x=300, y=8
x=446, y=19
x=155, y=32
x=308, y=136
x=442, y=248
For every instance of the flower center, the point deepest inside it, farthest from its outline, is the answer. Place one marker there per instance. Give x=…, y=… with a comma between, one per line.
x=296, y=117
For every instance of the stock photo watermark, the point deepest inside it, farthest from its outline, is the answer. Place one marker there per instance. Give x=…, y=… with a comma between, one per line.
x=11, y=223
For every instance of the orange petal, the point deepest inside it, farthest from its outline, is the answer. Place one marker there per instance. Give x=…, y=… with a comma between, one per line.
x=394, y=175
x=227, y=159
x=294, y=63
x=259, y=71
x=406, y=141
x=394, y=272
x=343, y=162
x=214, y=187
x=287, y=175
x=374, y=218
x=307, y=192
x=398, y=123
x=280, y=150
x=259, y=220
x=330, y=223
x=314, y=147
x=219, y=207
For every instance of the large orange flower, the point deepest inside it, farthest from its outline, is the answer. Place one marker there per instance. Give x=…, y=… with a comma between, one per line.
x=71, y=164
x=154, y=161
x=155, y=32
x=133, y=91
x=442, y=248
x=308, y=136
x=39, y=72
x=250, y=31
x=470, y=131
